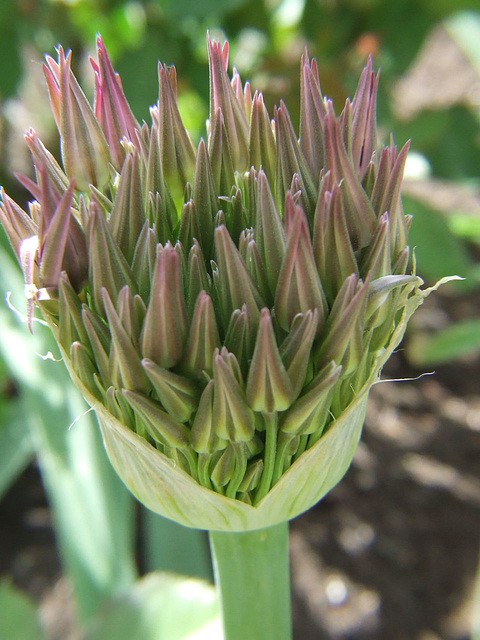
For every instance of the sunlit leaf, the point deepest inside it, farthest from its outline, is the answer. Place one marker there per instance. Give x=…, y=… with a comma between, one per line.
x=438, y=251
x=160, y=607
x=459, y=339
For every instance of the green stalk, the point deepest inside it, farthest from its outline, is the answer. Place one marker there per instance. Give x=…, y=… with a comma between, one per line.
x=271, y=422
x=253, y=581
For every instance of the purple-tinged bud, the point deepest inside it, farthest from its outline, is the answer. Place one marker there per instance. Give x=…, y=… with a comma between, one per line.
x=378, y=261
x=262, y=148
x=85, y=151
x=269, y=232
x=312, y=115
x=332, y=245
x=111, y=107
x=219, y=152
x=222, y=96
x=235, y=286
x=243, y=93
x=165, y=326
x=204, y=198
x=42, y=158
x=268, y=385
x=17, y=223
x=128, y=213
x=386, y=194
x=361, y=128
x=290, y=161
x=54, y=240
x=298, y=286
x=361, y=219
x=177, y=150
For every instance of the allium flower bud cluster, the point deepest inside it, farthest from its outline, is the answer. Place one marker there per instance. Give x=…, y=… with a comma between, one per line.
x=225, y=308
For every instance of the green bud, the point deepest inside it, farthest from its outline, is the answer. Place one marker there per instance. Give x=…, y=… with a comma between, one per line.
x=309, y=413
x=160, y=426
x=84, y=366
x=177, y=394
x=108, y=268
x=232, y=417
x=125, y=367
x=203, y=338
x=268, y=385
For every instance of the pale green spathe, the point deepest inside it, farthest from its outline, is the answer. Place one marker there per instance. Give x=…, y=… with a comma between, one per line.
x=169, y=491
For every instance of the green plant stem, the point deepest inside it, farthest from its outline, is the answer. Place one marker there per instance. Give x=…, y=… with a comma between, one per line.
x=271, y=422
x=253, y=581
x=283, y=444
x=240, y=449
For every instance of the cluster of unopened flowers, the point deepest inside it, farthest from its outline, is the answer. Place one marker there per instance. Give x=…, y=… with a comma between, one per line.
x=226, y=302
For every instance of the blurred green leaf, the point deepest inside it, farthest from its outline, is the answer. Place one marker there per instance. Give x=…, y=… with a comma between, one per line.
x=459, y=339
x=204, y=9
x=9, y=54
x=15, y=444
x=160, y=607
x=170, y=547
x=438, y=252
x=465, y=225
x=92, y=511
x=18, y=618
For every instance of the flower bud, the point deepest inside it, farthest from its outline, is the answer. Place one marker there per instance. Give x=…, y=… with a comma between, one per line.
x=225, y=309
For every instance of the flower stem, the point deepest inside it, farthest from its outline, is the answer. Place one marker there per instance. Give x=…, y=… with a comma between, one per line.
x=271, y=421
x=253, y=581
x=240, y=468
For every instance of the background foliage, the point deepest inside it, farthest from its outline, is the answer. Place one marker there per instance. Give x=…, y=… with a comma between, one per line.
x=428, y=44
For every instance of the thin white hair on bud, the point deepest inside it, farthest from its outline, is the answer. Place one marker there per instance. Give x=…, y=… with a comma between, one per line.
x=422, y=375
x=79, y=417
x=21, y=316
x=48, y=356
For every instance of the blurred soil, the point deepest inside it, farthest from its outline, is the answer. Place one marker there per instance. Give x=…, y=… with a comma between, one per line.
x=389, y=554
